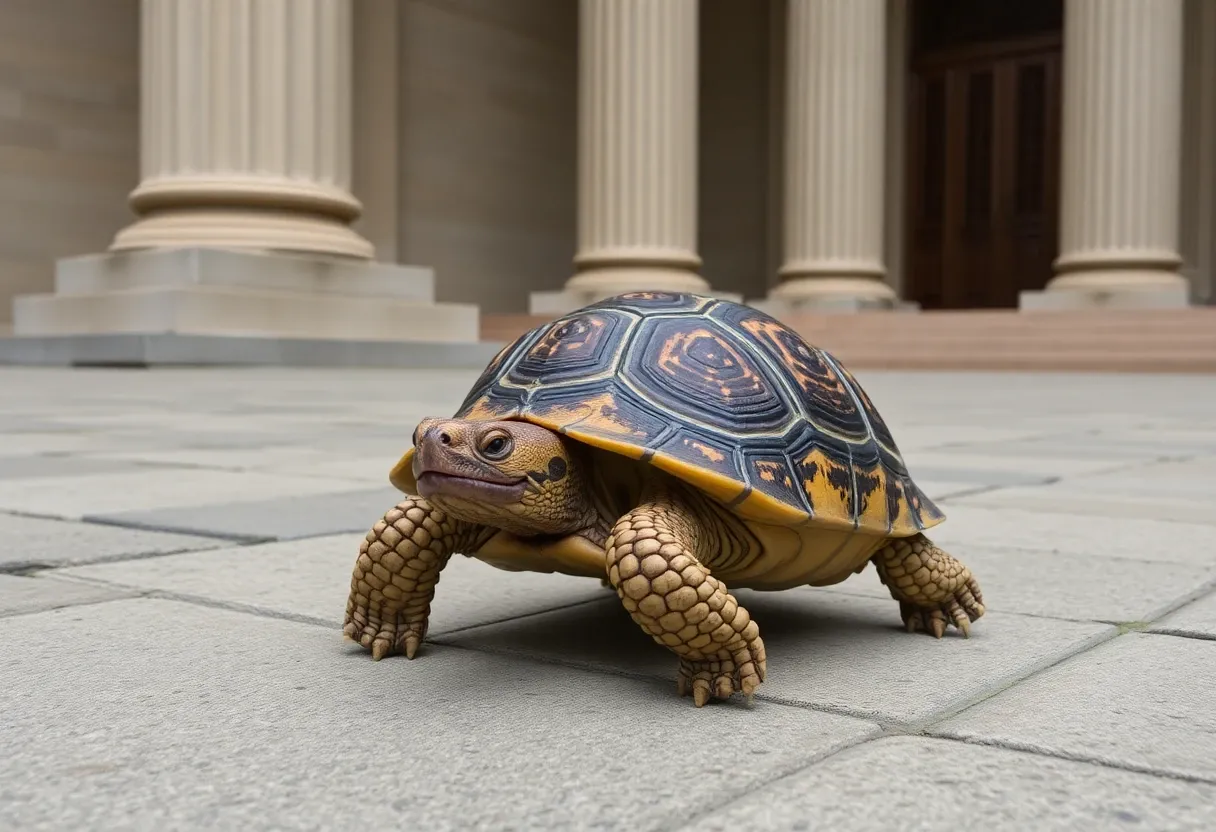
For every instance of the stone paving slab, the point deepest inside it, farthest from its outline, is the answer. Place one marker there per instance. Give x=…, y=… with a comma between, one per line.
x=102, y=494
x=1063, y=585
x=283, y=518
x=1009, y=469
x=946, y=489
x=936, y=470
x=310, y=579
x=1145, y=702
x=279, y=459
x=847, y=654
x=1197, y=619
x=26, y=594
x=1071, y=498
x=1132, y=536
x=29, y=467
x=34, y=542
x=1098, y=447
x=943, y=436
x=33, y=443
x=919, y=783
x=196, y=705
x=221, y=720
x=1188, y=480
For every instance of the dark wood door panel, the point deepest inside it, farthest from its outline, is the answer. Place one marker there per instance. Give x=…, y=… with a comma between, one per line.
x=983, y=169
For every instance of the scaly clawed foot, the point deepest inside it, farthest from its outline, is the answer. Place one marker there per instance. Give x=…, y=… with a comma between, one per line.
x=385, y=637
x=724, y=676
x=934, y=590
x=959, y=610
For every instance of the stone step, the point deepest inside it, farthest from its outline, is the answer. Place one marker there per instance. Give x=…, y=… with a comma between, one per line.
x=214, y=310
x=1125, y=340
x=280, y=271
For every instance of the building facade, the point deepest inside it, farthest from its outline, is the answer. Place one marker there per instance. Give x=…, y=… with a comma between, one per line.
x=380, y=161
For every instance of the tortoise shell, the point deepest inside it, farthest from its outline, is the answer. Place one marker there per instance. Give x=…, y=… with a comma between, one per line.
x=718, y=394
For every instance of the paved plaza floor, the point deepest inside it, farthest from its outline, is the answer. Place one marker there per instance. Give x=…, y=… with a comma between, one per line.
x=175, y=555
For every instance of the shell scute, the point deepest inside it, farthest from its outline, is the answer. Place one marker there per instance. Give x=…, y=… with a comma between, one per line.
x=693, y=366
x=703, y=451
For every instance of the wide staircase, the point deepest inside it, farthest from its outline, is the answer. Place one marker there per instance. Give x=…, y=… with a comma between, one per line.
x=1156, y=340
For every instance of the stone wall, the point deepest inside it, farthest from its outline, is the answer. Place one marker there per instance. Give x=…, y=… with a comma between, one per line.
x=69, y=146
x=734, y=208
x=488, y=143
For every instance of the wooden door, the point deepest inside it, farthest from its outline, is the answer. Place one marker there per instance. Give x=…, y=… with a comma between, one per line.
x=983, y=172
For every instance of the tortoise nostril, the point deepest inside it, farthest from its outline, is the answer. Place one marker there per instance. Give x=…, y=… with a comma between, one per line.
x=445, y=439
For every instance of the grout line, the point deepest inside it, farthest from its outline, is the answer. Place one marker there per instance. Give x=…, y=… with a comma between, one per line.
x=766, y=782
x=1076, y=757
x=69, y=606
x=771, y=782
x=116, y=521
x=29, y=567
x=1189, y=634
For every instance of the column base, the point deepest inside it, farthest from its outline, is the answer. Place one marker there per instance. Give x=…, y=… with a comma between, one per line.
x=218, y=294
x=248, y=229
x=1111, y=290
x=831, y=294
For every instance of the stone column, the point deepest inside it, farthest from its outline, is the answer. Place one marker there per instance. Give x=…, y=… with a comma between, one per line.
x=244, y=239
x=246, y=127
x=1122, y=117
x=637, y=204
x=835, y=155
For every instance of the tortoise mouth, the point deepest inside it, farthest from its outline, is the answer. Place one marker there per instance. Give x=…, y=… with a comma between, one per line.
x=434, y=483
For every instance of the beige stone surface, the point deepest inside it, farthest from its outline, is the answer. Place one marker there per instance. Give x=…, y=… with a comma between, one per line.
x=637, y=153
x=69, y=133
x=834, y=153
x=246, y=136
x=208, y=310
x=225, y=696
x=1120, y=150
x=487, y=142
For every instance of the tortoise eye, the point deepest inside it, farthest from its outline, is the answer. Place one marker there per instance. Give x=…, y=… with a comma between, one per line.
x=498, y=447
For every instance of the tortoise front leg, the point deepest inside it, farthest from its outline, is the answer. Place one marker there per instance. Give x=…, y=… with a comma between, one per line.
x=934, y=590
x=656, y=559
x=396, y=572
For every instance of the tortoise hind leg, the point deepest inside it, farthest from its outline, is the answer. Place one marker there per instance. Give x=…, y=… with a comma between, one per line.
x=657, y=559
x=934, y=590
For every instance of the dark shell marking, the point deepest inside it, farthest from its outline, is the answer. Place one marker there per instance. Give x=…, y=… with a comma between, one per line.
x=719, y=386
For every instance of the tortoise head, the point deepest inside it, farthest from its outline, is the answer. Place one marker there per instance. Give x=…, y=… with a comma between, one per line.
x=515, y=476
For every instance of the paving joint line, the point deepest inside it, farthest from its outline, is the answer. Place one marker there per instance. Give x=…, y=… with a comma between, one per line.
x=282, y=615
x=1076, y=757
x=73, y=605
x=31, y=567
x=1194, y=635
x=766, y=783
x=1091, y=643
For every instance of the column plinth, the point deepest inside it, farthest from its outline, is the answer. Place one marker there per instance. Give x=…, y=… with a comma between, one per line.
x=1120, y=165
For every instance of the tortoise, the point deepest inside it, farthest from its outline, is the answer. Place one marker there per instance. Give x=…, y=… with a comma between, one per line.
x=670, y=444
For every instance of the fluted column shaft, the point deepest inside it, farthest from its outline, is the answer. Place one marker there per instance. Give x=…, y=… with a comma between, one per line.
x=834, y=150
x=637, y=224
x=246, y=127
x=1122, y=140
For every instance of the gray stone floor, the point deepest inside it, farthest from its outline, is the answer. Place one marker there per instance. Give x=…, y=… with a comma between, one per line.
x=175, y=551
